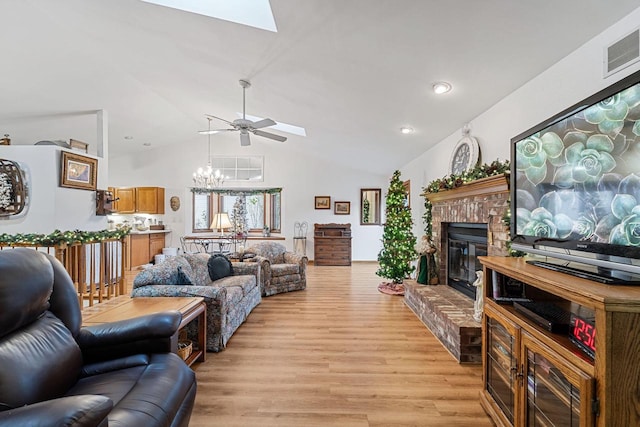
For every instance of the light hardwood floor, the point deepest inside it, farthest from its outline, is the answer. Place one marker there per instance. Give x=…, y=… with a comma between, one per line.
x=336, y=354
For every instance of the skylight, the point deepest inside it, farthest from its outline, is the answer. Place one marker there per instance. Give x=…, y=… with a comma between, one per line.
x=284, y=127
x=254, y=13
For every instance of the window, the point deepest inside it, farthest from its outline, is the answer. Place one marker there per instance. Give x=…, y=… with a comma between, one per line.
x=235, y=168
x=256, y=208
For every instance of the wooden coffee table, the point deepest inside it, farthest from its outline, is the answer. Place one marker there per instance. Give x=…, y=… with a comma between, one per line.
x=124, y=307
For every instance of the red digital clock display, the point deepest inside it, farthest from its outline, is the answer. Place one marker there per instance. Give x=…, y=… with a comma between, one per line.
x=583, y=334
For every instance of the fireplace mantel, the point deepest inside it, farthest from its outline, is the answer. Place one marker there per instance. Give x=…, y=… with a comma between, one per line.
x=482, y=187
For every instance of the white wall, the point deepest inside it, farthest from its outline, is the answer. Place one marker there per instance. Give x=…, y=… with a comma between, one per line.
x=569, y=81
x=301, y=177
x=52, y=207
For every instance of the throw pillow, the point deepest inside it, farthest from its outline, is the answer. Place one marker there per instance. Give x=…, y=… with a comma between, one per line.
x=182, y=278
x=219, y=266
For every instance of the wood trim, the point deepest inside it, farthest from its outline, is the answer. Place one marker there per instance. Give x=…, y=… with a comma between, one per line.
x=483, y=186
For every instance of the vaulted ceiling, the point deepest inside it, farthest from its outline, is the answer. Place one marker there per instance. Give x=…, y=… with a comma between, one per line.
x=352, y=72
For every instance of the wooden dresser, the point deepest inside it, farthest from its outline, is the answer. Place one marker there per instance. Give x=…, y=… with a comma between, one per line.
x=332, y=244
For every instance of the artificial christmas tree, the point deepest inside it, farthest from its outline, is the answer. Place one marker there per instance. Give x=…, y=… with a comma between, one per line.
x=239, y=216
x=398, y=241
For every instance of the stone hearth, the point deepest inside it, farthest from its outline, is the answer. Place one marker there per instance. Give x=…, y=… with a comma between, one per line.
x=446, y=312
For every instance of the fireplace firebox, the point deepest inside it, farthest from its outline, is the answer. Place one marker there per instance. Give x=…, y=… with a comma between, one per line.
x=465, y=243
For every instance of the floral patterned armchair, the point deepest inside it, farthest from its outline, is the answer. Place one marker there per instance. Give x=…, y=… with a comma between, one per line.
x=282, y=271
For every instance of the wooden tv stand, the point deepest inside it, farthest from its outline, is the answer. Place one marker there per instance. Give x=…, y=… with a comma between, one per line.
x=529, y=371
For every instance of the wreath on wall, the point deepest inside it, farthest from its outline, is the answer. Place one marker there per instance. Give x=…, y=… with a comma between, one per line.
x=13, y=189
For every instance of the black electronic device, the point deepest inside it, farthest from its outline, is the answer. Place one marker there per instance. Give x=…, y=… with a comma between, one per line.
x=601, y=278
x=546, y=314
x=574, y=183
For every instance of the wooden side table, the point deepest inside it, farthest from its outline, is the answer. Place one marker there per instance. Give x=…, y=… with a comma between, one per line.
x=127, y=308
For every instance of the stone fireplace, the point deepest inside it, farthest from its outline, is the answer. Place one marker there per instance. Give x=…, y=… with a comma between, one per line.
x=444, y=310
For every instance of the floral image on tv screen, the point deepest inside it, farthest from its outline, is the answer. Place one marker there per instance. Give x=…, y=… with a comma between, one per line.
x=579, y=179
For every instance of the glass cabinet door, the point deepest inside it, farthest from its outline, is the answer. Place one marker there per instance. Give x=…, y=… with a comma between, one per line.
x=501, y=364
x=555, y=394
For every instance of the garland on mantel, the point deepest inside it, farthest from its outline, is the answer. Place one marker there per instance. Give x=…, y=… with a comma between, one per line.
x=236, y=191
x=63, y=237
x=452, y=181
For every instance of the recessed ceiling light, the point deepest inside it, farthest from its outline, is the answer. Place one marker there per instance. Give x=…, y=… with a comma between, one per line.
x=441, y=87
x=406, y=130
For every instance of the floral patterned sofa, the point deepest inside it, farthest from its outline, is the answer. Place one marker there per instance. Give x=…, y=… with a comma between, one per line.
x=229, y=300
x=282, y=271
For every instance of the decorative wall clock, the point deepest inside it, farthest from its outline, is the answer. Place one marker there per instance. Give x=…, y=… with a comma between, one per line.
x=465, y=155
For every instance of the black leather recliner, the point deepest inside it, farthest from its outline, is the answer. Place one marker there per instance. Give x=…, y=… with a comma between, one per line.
x=53, y=372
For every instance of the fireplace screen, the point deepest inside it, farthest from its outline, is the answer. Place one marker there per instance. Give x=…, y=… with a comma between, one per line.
x=466, y=242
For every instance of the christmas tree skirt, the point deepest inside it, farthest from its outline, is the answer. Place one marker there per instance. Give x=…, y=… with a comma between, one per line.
x=391, y=288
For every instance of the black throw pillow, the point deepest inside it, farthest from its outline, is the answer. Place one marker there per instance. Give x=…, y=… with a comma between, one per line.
x=219, y=266
x=182, y=278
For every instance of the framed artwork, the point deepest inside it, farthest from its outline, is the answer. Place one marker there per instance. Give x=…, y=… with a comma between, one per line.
x=323, y=202
x=407, y=188
x=79, y=171
x=342, y=208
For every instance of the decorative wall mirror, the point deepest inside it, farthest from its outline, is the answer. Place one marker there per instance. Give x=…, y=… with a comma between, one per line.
x=370, y=206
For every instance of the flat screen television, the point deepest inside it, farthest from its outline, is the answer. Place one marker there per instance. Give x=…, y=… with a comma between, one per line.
x=575, y=183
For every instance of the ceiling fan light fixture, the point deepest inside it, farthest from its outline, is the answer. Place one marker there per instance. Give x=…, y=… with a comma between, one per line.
x=246, y=126
x=442, y=87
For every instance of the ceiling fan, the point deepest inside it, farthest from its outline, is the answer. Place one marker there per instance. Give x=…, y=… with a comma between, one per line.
x=245, y=126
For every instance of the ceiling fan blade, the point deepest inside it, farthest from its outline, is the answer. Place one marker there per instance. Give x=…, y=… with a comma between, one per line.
x=270, y=135
x=263, y=123
x=244, y=139
x=214, y=117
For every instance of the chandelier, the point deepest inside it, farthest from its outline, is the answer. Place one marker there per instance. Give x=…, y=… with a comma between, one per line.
x=206, y=177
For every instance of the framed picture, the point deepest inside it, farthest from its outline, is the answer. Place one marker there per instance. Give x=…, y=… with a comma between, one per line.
x=323, y=202
x=342, y=208
x=78, y=171
x=407, y=187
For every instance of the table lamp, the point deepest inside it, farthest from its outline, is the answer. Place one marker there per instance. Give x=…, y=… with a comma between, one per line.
x=221, y=222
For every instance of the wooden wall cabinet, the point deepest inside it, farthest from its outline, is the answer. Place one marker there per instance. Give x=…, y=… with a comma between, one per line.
x=332, y=244
x=139, y=200
x=126, y=200
x=150, y=200
x=532, y=376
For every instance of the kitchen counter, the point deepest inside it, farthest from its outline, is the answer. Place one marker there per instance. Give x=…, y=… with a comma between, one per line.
x=149, y=231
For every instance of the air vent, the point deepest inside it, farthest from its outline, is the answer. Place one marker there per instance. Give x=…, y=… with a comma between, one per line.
x=622, y=53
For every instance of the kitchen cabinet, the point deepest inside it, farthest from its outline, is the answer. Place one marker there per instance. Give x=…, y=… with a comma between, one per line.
x=535, y=377
x=142, y=247
x=150, y=200
x=156, y=243
x=139, y=200
x=126, y=200
x=139, y=246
